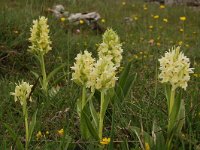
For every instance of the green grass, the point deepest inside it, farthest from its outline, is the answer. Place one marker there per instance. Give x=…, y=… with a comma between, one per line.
x=146, y=101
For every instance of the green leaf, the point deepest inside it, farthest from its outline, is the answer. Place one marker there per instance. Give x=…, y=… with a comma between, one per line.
x=86, y=121
x=129, y=83
x=105, y=104
x=124, y=145
x=111, y=145
x=94, y=114
x=181, y=117
x=56, y=81
x=125, y=82
x=119, y=94
x=158, y=137
x=32, y=125
x=124, y=75
x=15, y=137
x=35, y=74
x=142, y=136
x=79, y=106
x=167, y=94
x=64, y=144
x=51, y=74
x=174, y=114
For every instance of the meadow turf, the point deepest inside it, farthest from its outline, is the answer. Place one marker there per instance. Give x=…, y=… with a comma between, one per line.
x=144, y=38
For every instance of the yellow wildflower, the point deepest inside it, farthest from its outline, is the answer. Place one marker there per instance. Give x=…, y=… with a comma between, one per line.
x=103, y=20
x=145, y=7
x=162, y=6
x=60, y=132
x=183, y=18
x=180, y=43
x=165, y=20
x=62, y=19
x=147, y=147
x=135, y=18
x=38, y=135
x=158, y=44
x=181, y=30
x=123, y=3
x=150, y=27
x=81, y=21
x=105, y=141
x=47, y=132
x=156, y=17
x=135, y=56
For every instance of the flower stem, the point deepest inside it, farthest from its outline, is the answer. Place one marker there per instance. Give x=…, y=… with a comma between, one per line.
x=170, y=121
x=25, y=113
x=101, y=117
x=44, y=76
x=171, y=103
x=83, y=97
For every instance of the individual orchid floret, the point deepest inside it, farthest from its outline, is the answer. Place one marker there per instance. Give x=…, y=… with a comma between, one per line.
x=111, y=47
x=22, y=92
x=82, y=68
x=40, y=39
x=103, y=75
x=175, y=68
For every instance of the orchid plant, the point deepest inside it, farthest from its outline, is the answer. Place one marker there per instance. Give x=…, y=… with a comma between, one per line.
x=99, y=76
x=40, y=46
x=23, y=95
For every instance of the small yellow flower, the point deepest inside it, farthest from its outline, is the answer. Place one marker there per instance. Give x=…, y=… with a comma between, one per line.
x=145, y=7
x=165, y=20
x=147, y=147
x=135, y=18
x=47, y=132
x=103, y=20
x=183, y=18
x=150, y=27
x=135, y=56
x=162, y=6
x=180, y=43
x=187, y=45
x=61, y=132
x=81, y=21
x=38, y=135
x=158, y=44
x=62, y=19
x=156, y=17
x=105, y=141
x=181, y=30
x=123, y=3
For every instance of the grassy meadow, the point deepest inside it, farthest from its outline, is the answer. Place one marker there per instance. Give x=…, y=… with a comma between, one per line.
x=146, y=31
